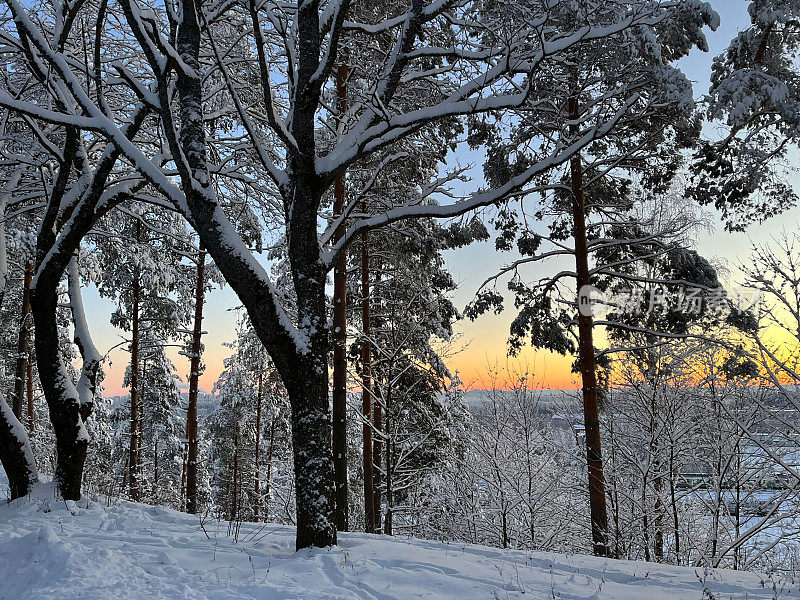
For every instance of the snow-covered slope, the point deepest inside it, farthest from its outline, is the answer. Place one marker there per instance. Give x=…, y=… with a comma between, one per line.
x=55, y=549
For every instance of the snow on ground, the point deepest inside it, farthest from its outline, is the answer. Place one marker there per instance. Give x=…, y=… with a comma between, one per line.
x=93, y=550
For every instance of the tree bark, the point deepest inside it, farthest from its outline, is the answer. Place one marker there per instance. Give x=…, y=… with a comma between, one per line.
x=366, y=395
x=15, y=453
x=183, y=479
x=387, y=519
x=376, y=458
x=257, y=457
x=311, y=440
x=306, y=378
x=235, y=501
x=658, y=485
x=645, y=521
x=340, y=335
x=31, y=406
x=194, y=386
x=134, y=463
x=65, y=409
x=23, y=343
x=377, y=412
x=614, y=494
x=155, y=470
x=268, y=479
x=67, y=413
x=300, y=353
x=674, y=503
x=586, y=358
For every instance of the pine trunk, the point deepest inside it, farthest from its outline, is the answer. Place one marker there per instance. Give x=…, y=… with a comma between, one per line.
x=586, y=359
x=134, y=462
x=31, y=406
x=340, y=336
x=194, y=386
x=183, y=479
x=387, y=519
x=23, y=344
x=268, y=479
x=257, y=458
x=376, y=459
x=235, y=501
x=366, y=383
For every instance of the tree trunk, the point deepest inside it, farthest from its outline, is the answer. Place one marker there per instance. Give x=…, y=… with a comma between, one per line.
x=235, y=500
x=645, y=521
x=377, y=412
x=366, y=383
x=300, y=352
x=228, y=480
x=376, y=459
x=257, y=457
x=311, y=440
x=134, y=463
x=15, y=453
x=614, y=494
x=387, y=519
x=155, y=470
x=185, y=458
x=674, y=503
x=194, y=386
x=504, y=523
x=340, y=334
x=66, y=413
x=31, y=406
x=268, y=479
x=738, y=516
x=658, y=486
x=658, y=534
x=306, y=378
x=586, y=358
x=23, y=343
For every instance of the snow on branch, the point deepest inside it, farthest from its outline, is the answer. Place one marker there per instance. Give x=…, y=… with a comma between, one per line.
x=375, y=130
x=8, y=190
x=514, y=186
x=91, y=357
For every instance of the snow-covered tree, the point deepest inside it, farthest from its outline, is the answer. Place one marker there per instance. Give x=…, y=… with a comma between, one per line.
x=471, y=59
x=754, y=97
x=586, y=212
x=250, y=448
x=141, y=272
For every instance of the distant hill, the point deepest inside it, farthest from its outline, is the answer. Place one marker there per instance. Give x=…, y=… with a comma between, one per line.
x=206, y=403
x=549, y=400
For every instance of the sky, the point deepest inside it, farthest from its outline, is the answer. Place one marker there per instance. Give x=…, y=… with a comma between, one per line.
x=481, y=344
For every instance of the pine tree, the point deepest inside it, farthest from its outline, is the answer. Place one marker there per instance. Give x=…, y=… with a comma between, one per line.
x=194, y=385
x=753, y=98
x=252, y=415
x=142, y=272
x=495, y=62
x=595, y=185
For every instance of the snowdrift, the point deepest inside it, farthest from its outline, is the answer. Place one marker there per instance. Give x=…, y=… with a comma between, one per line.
x=98, y=551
